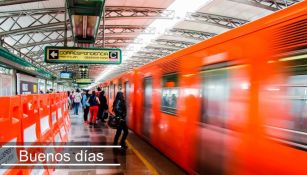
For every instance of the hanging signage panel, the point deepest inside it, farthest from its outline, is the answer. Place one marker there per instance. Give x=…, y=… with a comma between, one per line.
x=74, y=55
x=84, y=81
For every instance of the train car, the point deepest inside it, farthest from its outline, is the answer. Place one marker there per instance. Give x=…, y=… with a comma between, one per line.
x=233, y=104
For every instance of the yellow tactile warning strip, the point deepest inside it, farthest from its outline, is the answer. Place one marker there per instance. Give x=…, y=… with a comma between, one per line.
x=151, y=168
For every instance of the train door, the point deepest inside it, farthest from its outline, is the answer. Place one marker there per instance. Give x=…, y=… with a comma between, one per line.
x=147, y=84
x=127, y=90
x=224, y=98
x=215, y=94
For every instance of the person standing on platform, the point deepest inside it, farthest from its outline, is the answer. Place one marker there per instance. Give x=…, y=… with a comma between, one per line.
x=98, y=91
x=72, y=99
x=77, y=101
x=85, y=105
x=98, y=95
x=68, y=99
x=103, y=106
x=120, y=110
x=94, y=103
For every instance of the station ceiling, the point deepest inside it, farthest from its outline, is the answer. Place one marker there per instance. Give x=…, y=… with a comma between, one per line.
x=27, y=26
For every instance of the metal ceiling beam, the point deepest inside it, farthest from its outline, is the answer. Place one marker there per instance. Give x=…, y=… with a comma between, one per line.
x=272, y=5
x=21, y=46
x=137, y=12
x=150, y=54
x=173, y=43
x=41, y=11
x=143, y=57
x=111, y=12
x=110, y=29
x=32, y=29
x=56, y=16
x=15, y=2
x=218, y=20
x=126, y=29
x=190, y=34
x=37, y=37
x=109, y=40
x=159, y=50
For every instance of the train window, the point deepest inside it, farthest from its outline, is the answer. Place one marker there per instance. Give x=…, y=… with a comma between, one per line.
x=289, y=98
x=297, y=93
x=215, y=92
x=286, y=92
x=169, y=93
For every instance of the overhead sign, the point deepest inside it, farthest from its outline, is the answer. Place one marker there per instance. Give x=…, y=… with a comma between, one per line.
x=84, y=81
x=74, y=55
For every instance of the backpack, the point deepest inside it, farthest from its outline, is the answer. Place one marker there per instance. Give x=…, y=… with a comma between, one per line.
x=77, y=98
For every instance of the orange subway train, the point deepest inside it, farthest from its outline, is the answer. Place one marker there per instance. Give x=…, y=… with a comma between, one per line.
x=233, y=104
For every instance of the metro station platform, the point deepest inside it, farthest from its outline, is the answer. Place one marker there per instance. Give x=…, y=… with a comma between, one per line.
x=139, y=159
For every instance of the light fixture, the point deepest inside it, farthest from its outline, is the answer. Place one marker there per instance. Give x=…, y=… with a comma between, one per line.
x=180, y=7
x=85, y=18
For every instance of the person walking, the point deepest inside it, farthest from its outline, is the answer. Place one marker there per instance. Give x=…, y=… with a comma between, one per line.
x=77, y=101
x=94, y=103
x=120, y=110
x=86, y=106
x=72, y=94
x=99, y=110
x=103, y=106
x=68, y=100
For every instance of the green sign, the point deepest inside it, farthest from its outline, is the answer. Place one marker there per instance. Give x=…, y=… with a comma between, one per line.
x=84, y=81
x=75, y=55
x=83, y=85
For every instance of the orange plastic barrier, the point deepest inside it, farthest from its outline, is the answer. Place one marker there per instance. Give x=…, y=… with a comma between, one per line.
x=65, y=114
x=32, y=120
x=57, y=121
x=60, y=111
x=30, y=127
x=10, y=134
x=45, y=119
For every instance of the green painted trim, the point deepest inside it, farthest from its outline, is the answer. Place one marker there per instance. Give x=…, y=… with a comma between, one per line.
x=81, y=62
x=11, y=57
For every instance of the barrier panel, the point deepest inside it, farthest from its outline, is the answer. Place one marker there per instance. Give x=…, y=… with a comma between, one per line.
x=53, y=110
x=60, y=106
x=56, y=110
x=30, y=127
x=10, y=135
x=30, y=118
x=65, y=112
x=45, y=119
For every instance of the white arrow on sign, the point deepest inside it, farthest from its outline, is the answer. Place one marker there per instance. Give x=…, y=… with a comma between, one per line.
x=53, y=54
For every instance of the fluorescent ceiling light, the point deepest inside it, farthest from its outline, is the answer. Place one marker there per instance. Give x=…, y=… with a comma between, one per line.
x=298, y=57
x=180, y=7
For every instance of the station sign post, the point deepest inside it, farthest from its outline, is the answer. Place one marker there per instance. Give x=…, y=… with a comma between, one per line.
x=75, y=55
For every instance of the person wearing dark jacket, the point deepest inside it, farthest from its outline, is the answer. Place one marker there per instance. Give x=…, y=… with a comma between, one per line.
x=120, y=110
x=103, y=106
x=94, y=102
